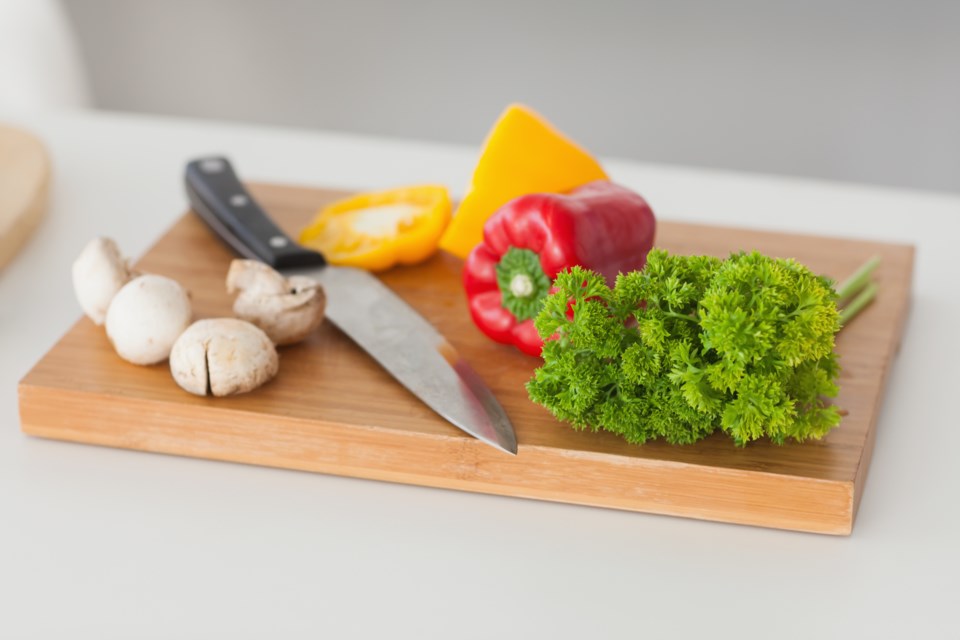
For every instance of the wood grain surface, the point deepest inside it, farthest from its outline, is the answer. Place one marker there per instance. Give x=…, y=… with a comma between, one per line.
x=24, y=183
x=332, y=409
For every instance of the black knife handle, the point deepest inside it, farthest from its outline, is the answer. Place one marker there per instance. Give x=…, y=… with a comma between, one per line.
x=221, y=201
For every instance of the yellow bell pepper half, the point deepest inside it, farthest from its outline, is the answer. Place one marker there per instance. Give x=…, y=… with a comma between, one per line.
x=376, y=231
x=523, y=154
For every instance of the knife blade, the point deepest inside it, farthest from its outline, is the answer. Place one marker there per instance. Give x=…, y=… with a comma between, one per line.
x=366, y=310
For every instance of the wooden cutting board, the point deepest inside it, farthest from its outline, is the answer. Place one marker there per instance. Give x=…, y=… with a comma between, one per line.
x=331, y=409
x=24, y=182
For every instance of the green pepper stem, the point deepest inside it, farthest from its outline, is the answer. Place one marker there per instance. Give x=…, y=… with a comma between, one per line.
x=523, y=284
x=852, y=285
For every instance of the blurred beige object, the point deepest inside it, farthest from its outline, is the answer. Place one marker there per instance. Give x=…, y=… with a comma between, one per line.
x=24, y=183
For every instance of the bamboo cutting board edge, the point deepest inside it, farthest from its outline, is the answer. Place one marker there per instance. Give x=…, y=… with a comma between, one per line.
x=348, y=450
x=866, y=455
x=640, y=480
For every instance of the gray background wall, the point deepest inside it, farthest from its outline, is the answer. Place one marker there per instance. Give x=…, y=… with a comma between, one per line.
x=858, y=90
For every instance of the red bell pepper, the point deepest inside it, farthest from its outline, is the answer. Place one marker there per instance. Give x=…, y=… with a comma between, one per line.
x=527, y=242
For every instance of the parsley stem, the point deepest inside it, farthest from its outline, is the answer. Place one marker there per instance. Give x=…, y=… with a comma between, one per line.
x=860, y=278
x=857, y=305
x=674, y=314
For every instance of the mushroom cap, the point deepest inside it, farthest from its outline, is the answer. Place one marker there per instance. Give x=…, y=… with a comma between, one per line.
x=223, y=356
x=99, y=272
x=255, y=277
x=146, y=317
x=288, y=310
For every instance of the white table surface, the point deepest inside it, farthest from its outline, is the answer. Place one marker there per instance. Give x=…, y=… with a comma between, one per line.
x=101, y=543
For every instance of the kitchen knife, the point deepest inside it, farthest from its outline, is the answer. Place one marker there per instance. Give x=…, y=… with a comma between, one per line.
x=401, y=340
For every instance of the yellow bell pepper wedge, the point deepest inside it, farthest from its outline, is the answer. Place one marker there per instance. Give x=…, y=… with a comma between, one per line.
x=376, y=231
x=523, y=154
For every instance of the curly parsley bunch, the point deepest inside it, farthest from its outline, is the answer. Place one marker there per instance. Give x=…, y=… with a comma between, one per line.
x=691, y=344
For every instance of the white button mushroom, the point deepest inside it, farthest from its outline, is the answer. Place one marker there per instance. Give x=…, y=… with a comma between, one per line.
x=288, y=310
x=146, y=317
x=99, y=272
x=222, y=356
